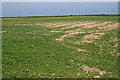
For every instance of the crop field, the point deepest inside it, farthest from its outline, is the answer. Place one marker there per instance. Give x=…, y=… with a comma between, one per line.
x=60, y=47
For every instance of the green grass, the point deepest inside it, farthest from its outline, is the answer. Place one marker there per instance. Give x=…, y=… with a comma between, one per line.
x=38, y=55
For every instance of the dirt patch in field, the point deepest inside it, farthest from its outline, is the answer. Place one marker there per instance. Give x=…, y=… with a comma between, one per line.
x=77, y=30
x=102, y=27
x=89, y=38
x=3, y=31
x=99, y=33
x=97, y=25
x=71, y=24
x=61, y=38
x=30, y=33
x=78, y=24
x=55, y=24
x=53, y=31
x=109, y=27
x=92, y=69
x=68, y=25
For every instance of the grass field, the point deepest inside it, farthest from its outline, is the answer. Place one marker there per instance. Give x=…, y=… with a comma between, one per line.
x=62, y=47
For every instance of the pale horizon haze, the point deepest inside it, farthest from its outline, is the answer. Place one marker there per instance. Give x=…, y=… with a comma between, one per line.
x=13, y=9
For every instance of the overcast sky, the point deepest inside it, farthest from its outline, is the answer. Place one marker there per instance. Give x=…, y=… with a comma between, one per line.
x=57, y=8
x=60, y=0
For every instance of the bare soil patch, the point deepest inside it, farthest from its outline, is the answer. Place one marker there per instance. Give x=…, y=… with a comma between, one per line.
x=3, y=31
x=89, y=38
x=97, y=25
x=69, y=24
x=78, y=24
x=61, y=38
x=92, y=69
x=109, y=26
x=53, y=31
x=55, y=24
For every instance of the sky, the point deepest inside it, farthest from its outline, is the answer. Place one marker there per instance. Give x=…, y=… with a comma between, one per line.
x=11, y=9
x=60, y=0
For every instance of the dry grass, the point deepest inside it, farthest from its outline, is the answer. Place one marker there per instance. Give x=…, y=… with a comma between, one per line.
x=97, y=25
x=110, y=26
x=69, y=33
x=90, y=38
x=61, y=38
x=92, y=69
x=53, y=31
x=3, y=31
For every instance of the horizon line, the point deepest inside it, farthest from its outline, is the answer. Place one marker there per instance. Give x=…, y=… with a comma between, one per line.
x=61, y=15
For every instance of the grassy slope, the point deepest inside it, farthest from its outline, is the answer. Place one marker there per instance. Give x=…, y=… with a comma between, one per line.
x=38, y=55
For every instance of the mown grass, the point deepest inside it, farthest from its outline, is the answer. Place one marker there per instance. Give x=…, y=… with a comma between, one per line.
x=31, y=51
